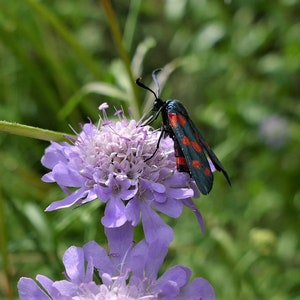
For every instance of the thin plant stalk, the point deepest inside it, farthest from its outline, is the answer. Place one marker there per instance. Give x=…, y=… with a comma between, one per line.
x=116, y=34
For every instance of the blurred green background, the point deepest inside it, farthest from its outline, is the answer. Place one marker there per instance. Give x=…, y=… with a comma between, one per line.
x=236, y=67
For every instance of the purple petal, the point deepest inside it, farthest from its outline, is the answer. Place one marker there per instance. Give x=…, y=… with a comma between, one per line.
x=89, y=197
x=48, y=285
x=89, y=272
x=114, y=214
x=102, y=192
x=128, y=194
x=66, y=176
x=48, y=177
x=170, y=283
x=178, y=274
x=154, y=226
x=156, y=255
x=194, y=187
x=133, y=212
x=200, y=288
x=66, y=288
x=54, y=154
x=29, y=290
x=95, y=253
x=169, y=291
x=182, y=193
x=177, y=179
x=157, y=187
x=120, y=239
x=172, y=208
x=137, y=259
x=160, y=198
x=73, y=260
x=68, y=201
x=190, y=204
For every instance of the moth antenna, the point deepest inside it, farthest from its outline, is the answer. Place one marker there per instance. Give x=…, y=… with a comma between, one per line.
x=154, y=76
x=139, y=83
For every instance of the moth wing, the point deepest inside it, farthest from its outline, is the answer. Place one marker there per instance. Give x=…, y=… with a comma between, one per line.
x=193, y=150
x=217, y=164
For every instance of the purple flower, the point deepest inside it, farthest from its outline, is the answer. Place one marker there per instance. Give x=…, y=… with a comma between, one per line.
x=128, y=272
x=109, y=162
x=274, y=131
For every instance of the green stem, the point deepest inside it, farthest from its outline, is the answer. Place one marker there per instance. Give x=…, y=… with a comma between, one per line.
x=114, y=27
x=32, y=132
x=131, y=23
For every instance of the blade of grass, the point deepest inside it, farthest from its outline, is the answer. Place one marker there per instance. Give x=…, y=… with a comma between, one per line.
x=46, y=14
x=131, y=23
x=4, y=253
x=35, y=71
x=116, y=34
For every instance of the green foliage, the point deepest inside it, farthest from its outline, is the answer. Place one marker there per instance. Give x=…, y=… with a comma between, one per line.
x=235, y=64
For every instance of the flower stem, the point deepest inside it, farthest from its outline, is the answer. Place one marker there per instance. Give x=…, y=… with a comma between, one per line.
x=116, y=34
x=7, y=272
x=32, y=132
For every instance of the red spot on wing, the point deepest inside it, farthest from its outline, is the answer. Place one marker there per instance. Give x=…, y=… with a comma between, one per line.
x=186, y=141
x=196, y=146
x=177, y=154
x=181, y=164
x=180, y=160
x=196, y=164
x=173, y=119
x=207, y=171
x=176, y=119
x=181, y=120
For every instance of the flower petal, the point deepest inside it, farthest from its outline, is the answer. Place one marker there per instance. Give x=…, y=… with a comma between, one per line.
x=172, y=207
x=66, y=176
x=169, y=284
x=190, y=204
x=120, y=239
x=154, y=226
x=114, y=214
x=200, y=288
x=68, y=201
x=137, y=259
x=157, y=252
x=47, y=284
x=66, y=289
x=95, y=253
x=73, y=260
x=54, y=154
x=133, y=212
x=29, y=290
x=178, y=274
x=180, y=193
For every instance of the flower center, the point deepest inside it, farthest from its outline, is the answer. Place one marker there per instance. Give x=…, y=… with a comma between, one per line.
x=116, y=288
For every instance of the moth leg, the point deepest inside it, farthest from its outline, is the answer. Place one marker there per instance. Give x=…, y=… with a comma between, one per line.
x=157, y=145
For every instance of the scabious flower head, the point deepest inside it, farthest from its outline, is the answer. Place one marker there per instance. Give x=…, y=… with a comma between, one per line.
x=128, y=272
x=109, y=162
x=274, y=131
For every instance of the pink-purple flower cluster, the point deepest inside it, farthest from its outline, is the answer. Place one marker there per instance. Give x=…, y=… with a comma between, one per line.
x=109, y=162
